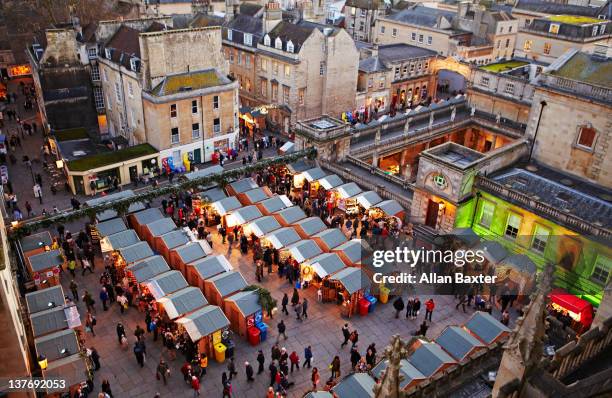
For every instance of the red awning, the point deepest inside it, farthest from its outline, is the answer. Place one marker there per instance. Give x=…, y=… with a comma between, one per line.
x=569, y=301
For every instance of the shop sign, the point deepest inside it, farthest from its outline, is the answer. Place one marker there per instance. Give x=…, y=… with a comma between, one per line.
x=440, y=181
x=250, y=321
x=20, y=70
x=49, y=274
x=258, y=316
x=216, y=337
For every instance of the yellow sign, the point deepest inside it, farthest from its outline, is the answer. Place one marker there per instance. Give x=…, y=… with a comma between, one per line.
x=20, y=70
x=216, y=337
x=186, y=162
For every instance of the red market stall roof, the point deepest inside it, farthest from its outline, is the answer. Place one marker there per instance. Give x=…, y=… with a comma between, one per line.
x=573, y=304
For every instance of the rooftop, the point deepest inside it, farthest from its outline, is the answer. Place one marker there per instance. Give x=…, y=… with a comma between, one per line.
x=109, y=158
x=392, y=53
x=189, y=81
x=288, y=31
x=549, y=7
x=421, y=16
x=587, y=68
x=574, y=19
x=504, y=66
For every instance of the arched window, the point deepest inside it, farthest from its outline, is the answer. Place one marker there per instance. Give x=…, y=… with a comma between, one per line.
x=278, y=43
x=290, y=46
x=267, y=40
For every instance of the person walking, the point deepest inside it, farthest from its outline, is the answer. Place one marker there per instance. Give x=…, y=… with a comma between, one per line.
x=355, y=357
x=281, y=330
x=295, y=360
x=429, y=308
x=248, y=370
x=231, y=368
x=95, y=358
x=261, y=359
x=90, y=322
x=305, y=308
x=398, y=305
x=273, y=370
x=74, y=289
x=409, y=305
x=354, y=338
x=346, y=334
x=314, y=378
x=307, y=357
x=120, y=332
x=295, y=298
x=298, y=311
x=104, y=298
x=106, y=388
x=416, y=307
x=335, y=368
x=462, y=301
x=195, y=384
x=139, y=354
x=163, y=371
x=284, y=303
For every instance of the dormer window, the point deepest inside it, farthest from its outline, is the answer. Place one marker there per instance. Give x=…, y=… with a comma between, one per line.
x=267, y=40
x=290, y=47
x=278, y=43
x=248, y=39
x=108, y=53
x=229, y=34
x=134, y=64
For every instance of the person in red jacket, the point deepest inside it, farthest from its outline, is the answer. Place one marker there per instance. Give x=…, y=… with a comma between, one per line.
x=429, y=307
x=195, y=384
x=295, y=361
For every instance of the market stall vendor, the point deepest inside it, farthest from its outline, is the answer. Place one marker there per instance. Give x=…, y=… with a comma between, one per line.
x=254, y=196
x=44, y=268
x=315, y=269
x=223, y=285
x=118, y=241
x=202, y=204
x=329, y=239
x=183, y=255
x=165, y=284
x=274, y=204
x=182, y=302
x=153, y=230
x=240, y=186
x=290, y=215
x=142, y=218
x=242, y=308
x=387, y=208
x=343, y=198
x=205, y=268
x=170, y=241
x=578, y=310
x=224, y=207
x=310, y=226
x=351, y=285
x=204, y=327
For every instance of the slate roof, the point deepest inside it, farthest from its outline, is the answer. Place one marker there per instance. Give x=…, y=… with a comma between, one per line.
x=46, y=260
x=204, y=172
x=210, y=266
x=547, y=7
x=148, y=216
x=288, y=31
x=190, y=81
x=352, y=278
x=48, y=321
x=251, y=9
x=148, y=268
x=243, y=185
x=319, y=394
x=304, y=250
x=136, y=252
x=407, y=370
x=229, y=282
x=421, y=15
x=577, y=31
x=164, y=284
x=429, y=358
x=51, y=345
x=276, y=203
x=332, y=237
x=204, y=322
x=69, y=369
x=40, y=299
x=466, y=235
x=291, y=214
x=364, y=4
x=206, y=20
x=191, y=252
x=246, y=214
x=226, y=205
x=458, y=342
x=126, y=44
x=331, y=181
x=264, y=225
x=357, y=385
x=256, y=195
x=401, y=52
x=242, y=24
x=183, y=302
x=123, y=239
x=485, y=327
x=175, y=239
x=213, y=195
x=372, y=65
x=311, y=225
x=36, y=241
x=326, y=264
x=283, y=237
x=247, y=302
x=161, y=226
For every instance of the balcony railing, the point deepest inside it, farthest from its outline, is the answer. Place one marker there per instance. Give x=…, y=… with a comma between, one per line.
x=576, y=87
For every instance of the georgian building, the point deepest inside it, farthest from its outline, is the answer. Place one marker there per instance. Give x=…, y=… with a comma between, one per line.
x=360, y=18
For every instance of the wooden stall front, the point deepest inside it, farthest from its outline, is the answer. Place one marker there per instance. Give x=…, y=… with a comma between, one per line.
x=316, y=269
x=241, y=309
x=183, y=255
x=350, y=285
x=289, y=216
x=205, y=268
x=153, y=230
x=274, y=204
x=164, y=244
x=386, y=209
x=204, y=327
x=329, y=239
x=142, y=218
x=182, y=302
x=254, y=196
x=309, y=226
x=240, y=186
x=202, y=204
x=44, y=268
x=223, y=285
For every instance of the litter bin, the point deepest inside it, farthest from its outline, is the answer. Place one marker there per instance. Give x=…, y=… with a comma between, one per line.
x=220, y=352
x=263, y=330
x=253, y=334
x=384, y=295
x=372, y=301
x=364, y=306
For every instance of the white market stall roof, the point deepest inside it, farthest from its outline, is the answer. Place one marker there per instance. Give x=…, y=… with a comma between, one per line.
x=292, y=214
x=48, y=321
x=311, y=225
x=331, y=181
x=314, y=174
x=287, y=147
x=210, y=266
x=148, y=216
x=228, y=282
x=166, y=283
x=263, y=226
x=390, y=207
x=119, y=240
x=226, y=205
x=283, y=237
x=246, y=184
x=485, y=327
x=429, y=358
x=183, y=302
x=44, y=299
x=256, y=195
x=368, y=199
x=458, y=342
x=133, y=253
x=332, y=237
x=407, y=370
x=353, y=279
x=304, y=250
x=246, y=301
x=57, y=345
x=213, y=195
x=110, y=227
x=35, y=241
x=348, y=190
x=244, y=215
x=326, y=264
x=216, y=169
x=355, y=250
x=175, y=239
x=276, y=203
x=204, y=322
x=161, y=227
x=193, y=251
x=357, y=385
x=46, y=260
x=298, y=167
x=148, y=268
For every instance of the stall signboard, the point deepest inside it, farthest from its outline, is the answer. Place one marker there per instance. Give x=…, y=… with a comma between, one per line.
x=258, y=316
x=216, y=337
x=250, y=321
x=20, y=70
x=72, y=316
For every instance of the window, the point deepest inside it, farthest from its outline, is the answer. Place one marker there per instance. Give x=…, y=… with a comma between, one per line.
x=264, y=87
x=509, y=29
x=498, y=44
x=301, y=95
x=426, y=67
x=264, y=65
x=274, y=92
x=117, y=92
x=194, y=106
x=105, y=75
x=382, y=30
x=507, y=43
x=419, y=66
x=394, y=32
x=353, y=10
x=195, y=130
x=92, y=53
x=231, y=56
x=601, y=269
x=370, y=82
x=130, y=90
x=217, y=125
x=173, y=111
x=266, y=40
x=247, y=39
x=278, y=43
x=509, y=89
x=486, y=215
x=527, y=45
x=95, y=72
x=540, y=238
x=98, y=97
x=547, y=48
x=247, y=61
x=412, y=68
x=586, y=137
x=229, y=34
x=554, y=28
x=286, y=91
x=287, y=70
x=404, y=70
x=420, y=38
x=361, y=26
x=397, y=72
x=134, y=64
x=429, y=40
x=274, y=68
x=239, y=59
x=215, y=102
x=108, y=53
x=174, y=135
x=513, y=225
x=381, y=81
x=290, y=46
x=501, y=29
x=413, y=36
x=322, y=68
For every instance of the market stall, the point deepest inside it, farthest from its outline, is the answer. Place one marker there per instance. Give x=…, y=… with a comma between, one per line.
x=518, y=272
x=411, y=376
x=261, y=226
x=201, y=203
x=150, y=232
x=350, y=285
x=74, y=370
x=430, y=359
x=205, y=268
x=146, y=269
x=286, y=148
x=45, y=267
x=110, y=214
x=48, y=321
x=280, y=238
x=289, y=216
x=309, y=226
x=57, y=345
x=317, y=268
x=110, y=227
x=493, y=253
x=240, y=186
x=330, y=182
x=35, y=244
x=581, y=311
x=329, y=239
x=459, y=343
x=204, y=327
x=170, y=241
x=182, y=302
x=225, y=284
x=344, y=197
x=224, y=207
x=355, y=385
x=254, y=196
x=44, y=299
x=303, y=250
x=165, y=284
x=308, y=176
x=387, y=208
x=127, y=256
x=142, y=218
x=242, y=308
x=118, y=241
x=488, y=329
x=368, y=199
x=242, y=216
x=353, y=252
x=274, y=204
x=298, y=167
x=183, y=255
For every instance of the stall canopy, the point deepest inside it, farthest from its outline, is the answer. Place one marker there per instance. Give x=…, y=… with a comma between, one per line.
x=204, y=322
x=390, y=207
x=326, y=264
x=263, y=226
x=304, y=250
x=331, y=238
x=175, y=239
x=111, y=227
x=348, y=190
x=136, y=252
x=283, y=237
x=407, y=370
x=298, y=167
x=330, y=182
x=578, y=309
x=49, y=321
x=226, y=205
x=368, y=199
x=148, y=216
x=213, y=195
x=193, y=251
x=36, y=241
x=161, y=227
x=44, y=299
x=72, y=369
x=357, y=385
x=228, y=282
x=216, y=169
x=458, y=342
x=211, y=266
x=166, y=283
x=429, y=358
x=353, y=279
x=256, y=195
x=311, y=225
x=466, y=235
x=183, y=302
x=246, y=184
x=314, y=174
x=287, y=147
x=492, y=251
x=243, y=215
x=275, y=203
x=46, y=260
x=485, y=327
x=119, y=240
x=57, y=345
x=247, y=302
x=291, y=215
x=148, y=268
x=354, y=250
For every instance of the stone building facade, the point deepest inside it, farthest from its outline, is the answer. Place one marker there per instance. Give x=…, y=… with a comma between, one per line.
x=360, y=17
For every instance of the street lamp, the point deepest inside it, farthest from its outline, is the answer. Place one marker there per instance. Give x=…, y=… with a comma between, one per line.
x=42, y=362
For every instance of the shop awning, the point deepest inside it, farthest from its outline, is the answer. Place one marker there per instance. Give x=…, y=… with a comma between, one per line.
x=148, y=216
x=330, y=182
x=210, y=266
x=311, y=225
x=183, y=302
x=228, y=282
x=119, y=240
x=44, y=299
x=466, y=235
x=493, y=251
x=49, y=321
x=348, y=190
x=136, y=252
x=257, y=195
x=353, y=279
x=246, y=184
x=247, y=302
x=485, y=327
x=46, y=260
x=243, y=215
x=304, y=250
x=166, y=283
x=216, y=169
x=110, y=214
x=287, y=147
x=57, y=345
x=331, y=238
x=161, y=227
x=204, y=322
x=458, y=342
x=356, y=385
x=368, y=199
x=72, y=369
x=314, y=174
x=407, y=370
x=226, y=205
x=355, y=250
x=521, y=263
x=298, y=167
x=429, y=358
x=175, y=239
x=282, y=237
x=275, y=203
x=262, y=226
x=291, y=215
x=193, y=251
x=110, y=227
x=569, y=301
x=390, y=207
x=148, y=268
x=35, y=241
x=326, y=264
x=213, y=195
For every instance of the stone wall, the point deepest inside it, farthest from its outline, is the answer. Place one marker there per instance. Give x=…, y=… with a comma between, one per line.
x=106, y=29
x=340, y=85
x=61, y=48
